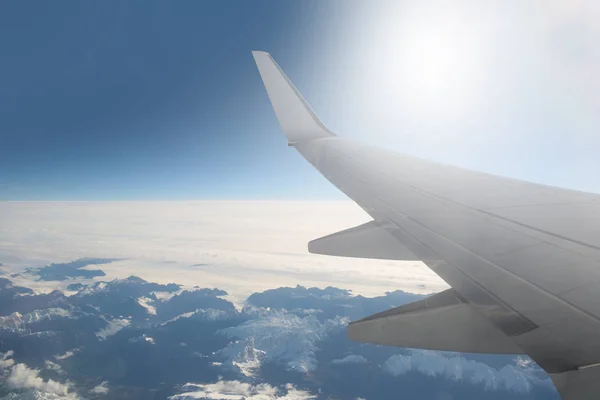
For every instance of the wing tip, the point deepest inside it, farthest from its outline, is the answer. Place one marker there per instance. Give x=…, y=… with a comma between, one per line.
x=257, y=54
x=295, y=116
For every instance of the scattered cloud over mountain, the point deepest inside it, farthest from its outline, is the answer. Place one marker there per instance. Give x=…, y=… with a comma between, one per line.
x=6, y=361
x=101, y=388
x=146, y=302
x=519, y=377
x=20, y=377
x=23, y=377
x=137, y=339
x=236, y=390
x=113, y=327
x=66, y=355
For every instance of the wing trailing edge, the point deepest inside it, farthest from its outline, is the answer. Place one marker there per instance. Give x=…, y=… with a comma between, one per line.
x=444, y=321
x=369, y=240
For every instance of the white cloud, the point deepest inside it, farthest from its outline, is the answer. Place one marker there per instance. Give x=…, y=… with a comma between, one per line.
x=350, y=359
x=517, y=378
x=66, y=355
x=23, y=377
x=101, y=388
x=51, y=365
x=280, y=336
x=6, y=360
x=239, y=246
x=113, y=327
x=236, y=390
x=147, y=304
x=18, y=376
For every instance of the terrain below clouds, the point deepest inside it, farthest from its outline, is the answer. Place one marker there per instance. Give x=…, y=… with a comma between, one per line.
x=130, y=338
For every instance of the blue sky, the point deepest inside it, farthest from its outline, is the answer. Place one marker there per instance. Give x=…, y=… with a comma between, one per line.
x=144, y=100
x=148, y=99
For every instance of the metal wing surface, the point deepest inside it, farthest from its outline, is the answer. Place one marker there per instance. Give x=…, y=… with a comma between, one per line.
x=523, y=259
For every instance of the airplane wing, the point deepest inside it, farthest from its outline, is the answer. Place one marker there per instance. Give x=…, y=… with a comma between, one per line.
x=523, y=259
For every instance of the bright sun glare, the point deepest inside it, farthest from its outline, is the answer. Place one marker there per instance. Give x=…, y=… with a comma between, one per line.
x=431, y=58
x=432, y=61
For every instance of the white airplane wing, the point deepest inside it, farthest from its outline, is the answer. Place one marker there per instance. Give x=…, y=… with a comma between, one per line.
x=523, y=259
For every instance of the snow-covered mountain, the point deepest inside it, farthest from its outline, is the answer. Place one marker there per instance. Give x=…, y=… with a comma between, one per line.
x=124, y=339
x=17, y=322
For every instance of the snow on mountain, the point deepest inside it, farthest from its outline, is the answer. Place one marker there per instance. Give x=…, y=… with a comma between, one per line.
x=350, y=359
x=209, y=314
x=18, y=322
x=38, y=395
x=248, y=361
x=92, y=289
x=283, y=337
x=133, y=286
x=236, y=390
x=142, y=339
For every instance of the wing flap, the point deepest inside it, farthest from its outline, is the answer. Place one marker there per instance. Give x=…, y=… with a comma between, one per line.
x=443, y=322
x=369, y=240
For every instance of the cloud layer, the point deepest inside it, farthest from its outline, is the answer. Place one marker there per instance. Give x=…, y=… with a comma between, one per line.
x=238, y=246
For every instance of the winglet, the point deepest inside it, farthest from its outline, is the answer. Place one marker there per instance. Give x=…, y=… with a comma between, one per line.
x=295, y=116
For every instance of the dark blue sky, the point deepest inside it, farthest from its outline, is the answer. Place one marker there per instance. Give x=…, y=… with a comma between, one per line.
x=148, y=100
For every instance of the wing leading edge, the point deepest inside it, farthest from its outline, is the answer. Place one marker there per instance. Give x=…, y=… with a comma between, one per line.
x=523, y=260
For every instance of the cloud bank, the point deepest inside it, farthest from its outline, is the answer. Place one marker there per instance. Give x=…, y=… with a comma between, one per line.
x=239, y=246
